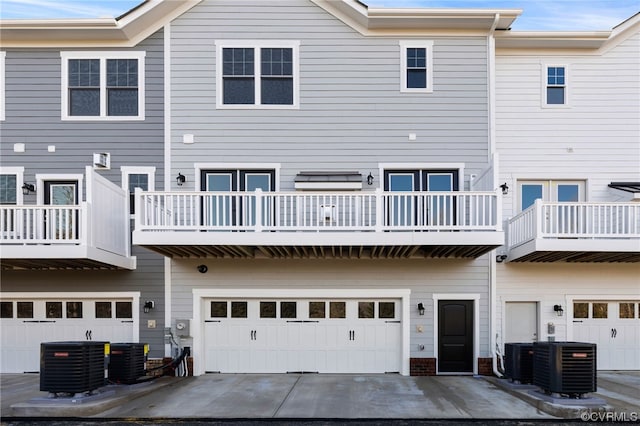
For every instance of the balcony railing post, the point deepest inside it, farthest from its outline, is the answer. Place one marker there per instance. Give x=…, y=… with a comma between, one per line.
x=538, y=223
x=137, y=205
x=379, y=223
x=86, y=234
x=259, y=218
x=498, y=198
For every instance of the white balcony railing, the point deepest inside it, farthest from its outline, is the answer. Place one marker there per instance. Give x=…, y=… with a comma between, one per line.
x=43, y=224
x=574, y=220
x=317, y=211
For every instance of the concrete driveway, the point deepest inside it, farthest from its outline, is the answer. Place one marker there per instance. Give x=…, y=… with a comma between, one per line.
x=328, y=396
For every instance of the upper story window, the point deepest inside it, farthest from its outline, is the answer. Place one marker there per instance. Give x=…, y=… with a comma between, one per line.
x=416, y=72
x=137, y=177
x=103, y=85
x=555, y=85
x=254, y=74
x=11, y=179
x=2, y=103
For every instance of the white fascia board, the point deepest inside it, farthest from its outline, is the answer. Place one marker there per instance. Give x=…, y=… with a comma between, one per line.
x=67, y=252
x=333, y=238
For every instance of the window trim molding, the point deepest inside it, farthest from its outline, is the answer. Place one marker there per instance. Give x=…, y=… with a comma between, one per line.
x=3, y=103
x=199, y=167
x=425, y=44
x=150, y=171
x=102, y=56
x=257, y=45
x=19, y=172
x=543, y=89
x=382, y=167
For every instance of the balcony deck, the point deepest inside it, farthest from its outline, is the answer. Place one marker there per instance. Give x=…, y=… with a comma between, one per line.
x=94, y=234
x=575, y=232
x=318, y=224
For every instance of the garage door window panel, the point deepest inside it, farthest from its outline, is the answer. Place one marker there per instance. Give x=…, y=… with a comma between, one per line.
x=267, y=309
x=74, y=309
x=238, y=309
x=387, y=310
x=124, y=310
x=24, y=309
x=317, y=310
x=218, y=309
x=600, y=310
x=54, y=309
x=337, y=310
x=288, y=310
x=627, y=310
x=580, y=310
x=366, y=310
x=6, y=309
x=104, y=310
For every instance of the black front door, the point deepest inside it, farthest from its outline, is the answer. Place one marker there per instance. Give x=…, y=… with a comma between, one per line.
x=455, y=336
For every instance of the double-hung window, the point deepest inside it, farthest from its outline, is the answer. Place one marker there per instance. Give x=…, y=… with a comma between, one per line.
x=103, y=85
x=416, y=72
x=555, y=86
x=257, y=74
x=137, y=177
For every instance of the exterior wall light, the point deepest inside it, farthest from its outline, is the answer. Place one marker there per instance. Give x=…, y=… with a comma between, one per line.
x=148, y=305
x=501, y=258
x=370, y=179
x=181, y=179
x=505, y=188
x=558, y=310
x=420, y=308
x=28, y=188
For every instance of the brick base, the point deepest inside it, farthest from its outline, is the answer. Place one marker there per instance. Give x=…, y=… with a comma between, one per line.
x=422, y=366
x=152, y=364
x=485, y=366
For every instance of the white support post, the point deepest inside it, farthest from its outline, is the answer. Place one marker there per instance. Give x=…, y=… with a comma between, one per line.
x=137, y=197
x=379, y=210
x=498, y=210
x=538, y=228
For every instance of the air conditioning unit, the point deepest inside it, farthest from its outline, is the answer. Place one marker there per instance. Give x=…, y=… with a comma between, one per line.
x=101, y=160
x=566, y=368
x=518, y=362
x=128, y=362
x=73, y=367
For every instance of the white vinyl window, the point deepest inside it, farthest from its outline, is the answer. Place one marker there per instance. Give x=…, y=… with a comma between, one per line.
x=555, y=79
x=103, y=85
x=257, y=74
x=137, y=177
x=416, y=71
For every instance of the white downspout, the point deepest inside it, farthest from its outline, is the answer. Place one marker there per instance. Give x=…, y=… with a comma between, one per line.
x=491, y=78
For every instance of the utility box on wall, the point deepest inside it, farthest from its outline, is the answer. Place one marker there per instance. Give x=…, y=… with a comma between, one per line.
x=183, y=327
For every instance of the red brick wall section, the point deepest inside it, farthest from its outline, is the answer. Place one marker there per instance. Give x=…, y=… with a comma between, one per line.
x=422, y=366
x=485, y=366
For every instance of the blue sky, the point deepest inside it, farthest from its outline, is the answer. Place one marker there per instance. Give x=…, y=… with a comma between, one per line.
x=538, y=15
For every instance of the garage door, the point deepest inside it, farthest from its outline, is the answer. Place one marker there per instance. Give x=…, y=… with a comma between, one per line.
x=28, y=322
x=614, y=327
x=305, y=335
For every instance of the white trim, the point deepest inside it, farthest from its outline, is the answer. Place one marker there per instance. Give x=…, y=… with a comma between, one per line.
x=424, y=44
x=543, y=99
x=19, y=172
x=197, y=324
x=476, y=324
x=382, y=167
x=328, y=185
x=257, y=45
x=41, y=178
x=102, y=56
x=198, y=167
x=138, y=170
x=3, y=104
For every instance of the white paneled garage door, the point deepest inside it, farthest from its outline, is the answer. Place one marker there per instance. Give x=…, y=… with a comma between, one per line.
x=614, y=326
x=302, y=335
x=25, y=323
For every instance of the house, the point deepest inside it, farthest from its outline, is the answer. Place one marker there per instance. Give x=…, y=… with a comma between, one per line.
x=82, y=124
x=329, y=187
x=568, y=135
x=333, y=206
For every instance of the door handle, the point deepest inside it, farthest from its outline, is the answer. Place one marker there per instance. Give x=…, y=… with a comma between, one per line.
x=614, y=332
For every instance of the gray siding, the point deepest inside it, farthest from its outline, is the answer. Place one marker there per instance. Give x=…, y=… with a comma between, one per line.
x=33, y=111
x=352, y=115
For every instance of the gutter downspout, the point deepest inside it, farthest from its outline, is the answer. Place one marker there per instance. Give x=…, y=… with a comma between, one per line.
x=491, y=55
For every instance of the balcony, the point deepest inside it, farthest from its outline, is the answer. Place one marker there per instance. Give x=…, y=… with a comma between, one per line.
x=318, y=224
x=575, y=232
x=94, y=234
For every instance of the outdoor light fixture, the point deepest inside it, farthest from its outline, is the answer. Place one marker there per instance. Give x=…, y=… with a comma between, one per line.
x=370, y=179
x=28, y=188
x=420, y=308
x=148, y=305
x=558, y=310
x=202, y=269
x=501, y=258
x=505, y=188
x=181, y=179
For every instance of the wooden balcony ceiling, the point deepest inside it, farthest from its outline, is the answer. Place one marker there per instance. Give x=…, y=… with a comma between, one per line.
x=54, y=264
x=322, y=252
x=579, y=256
